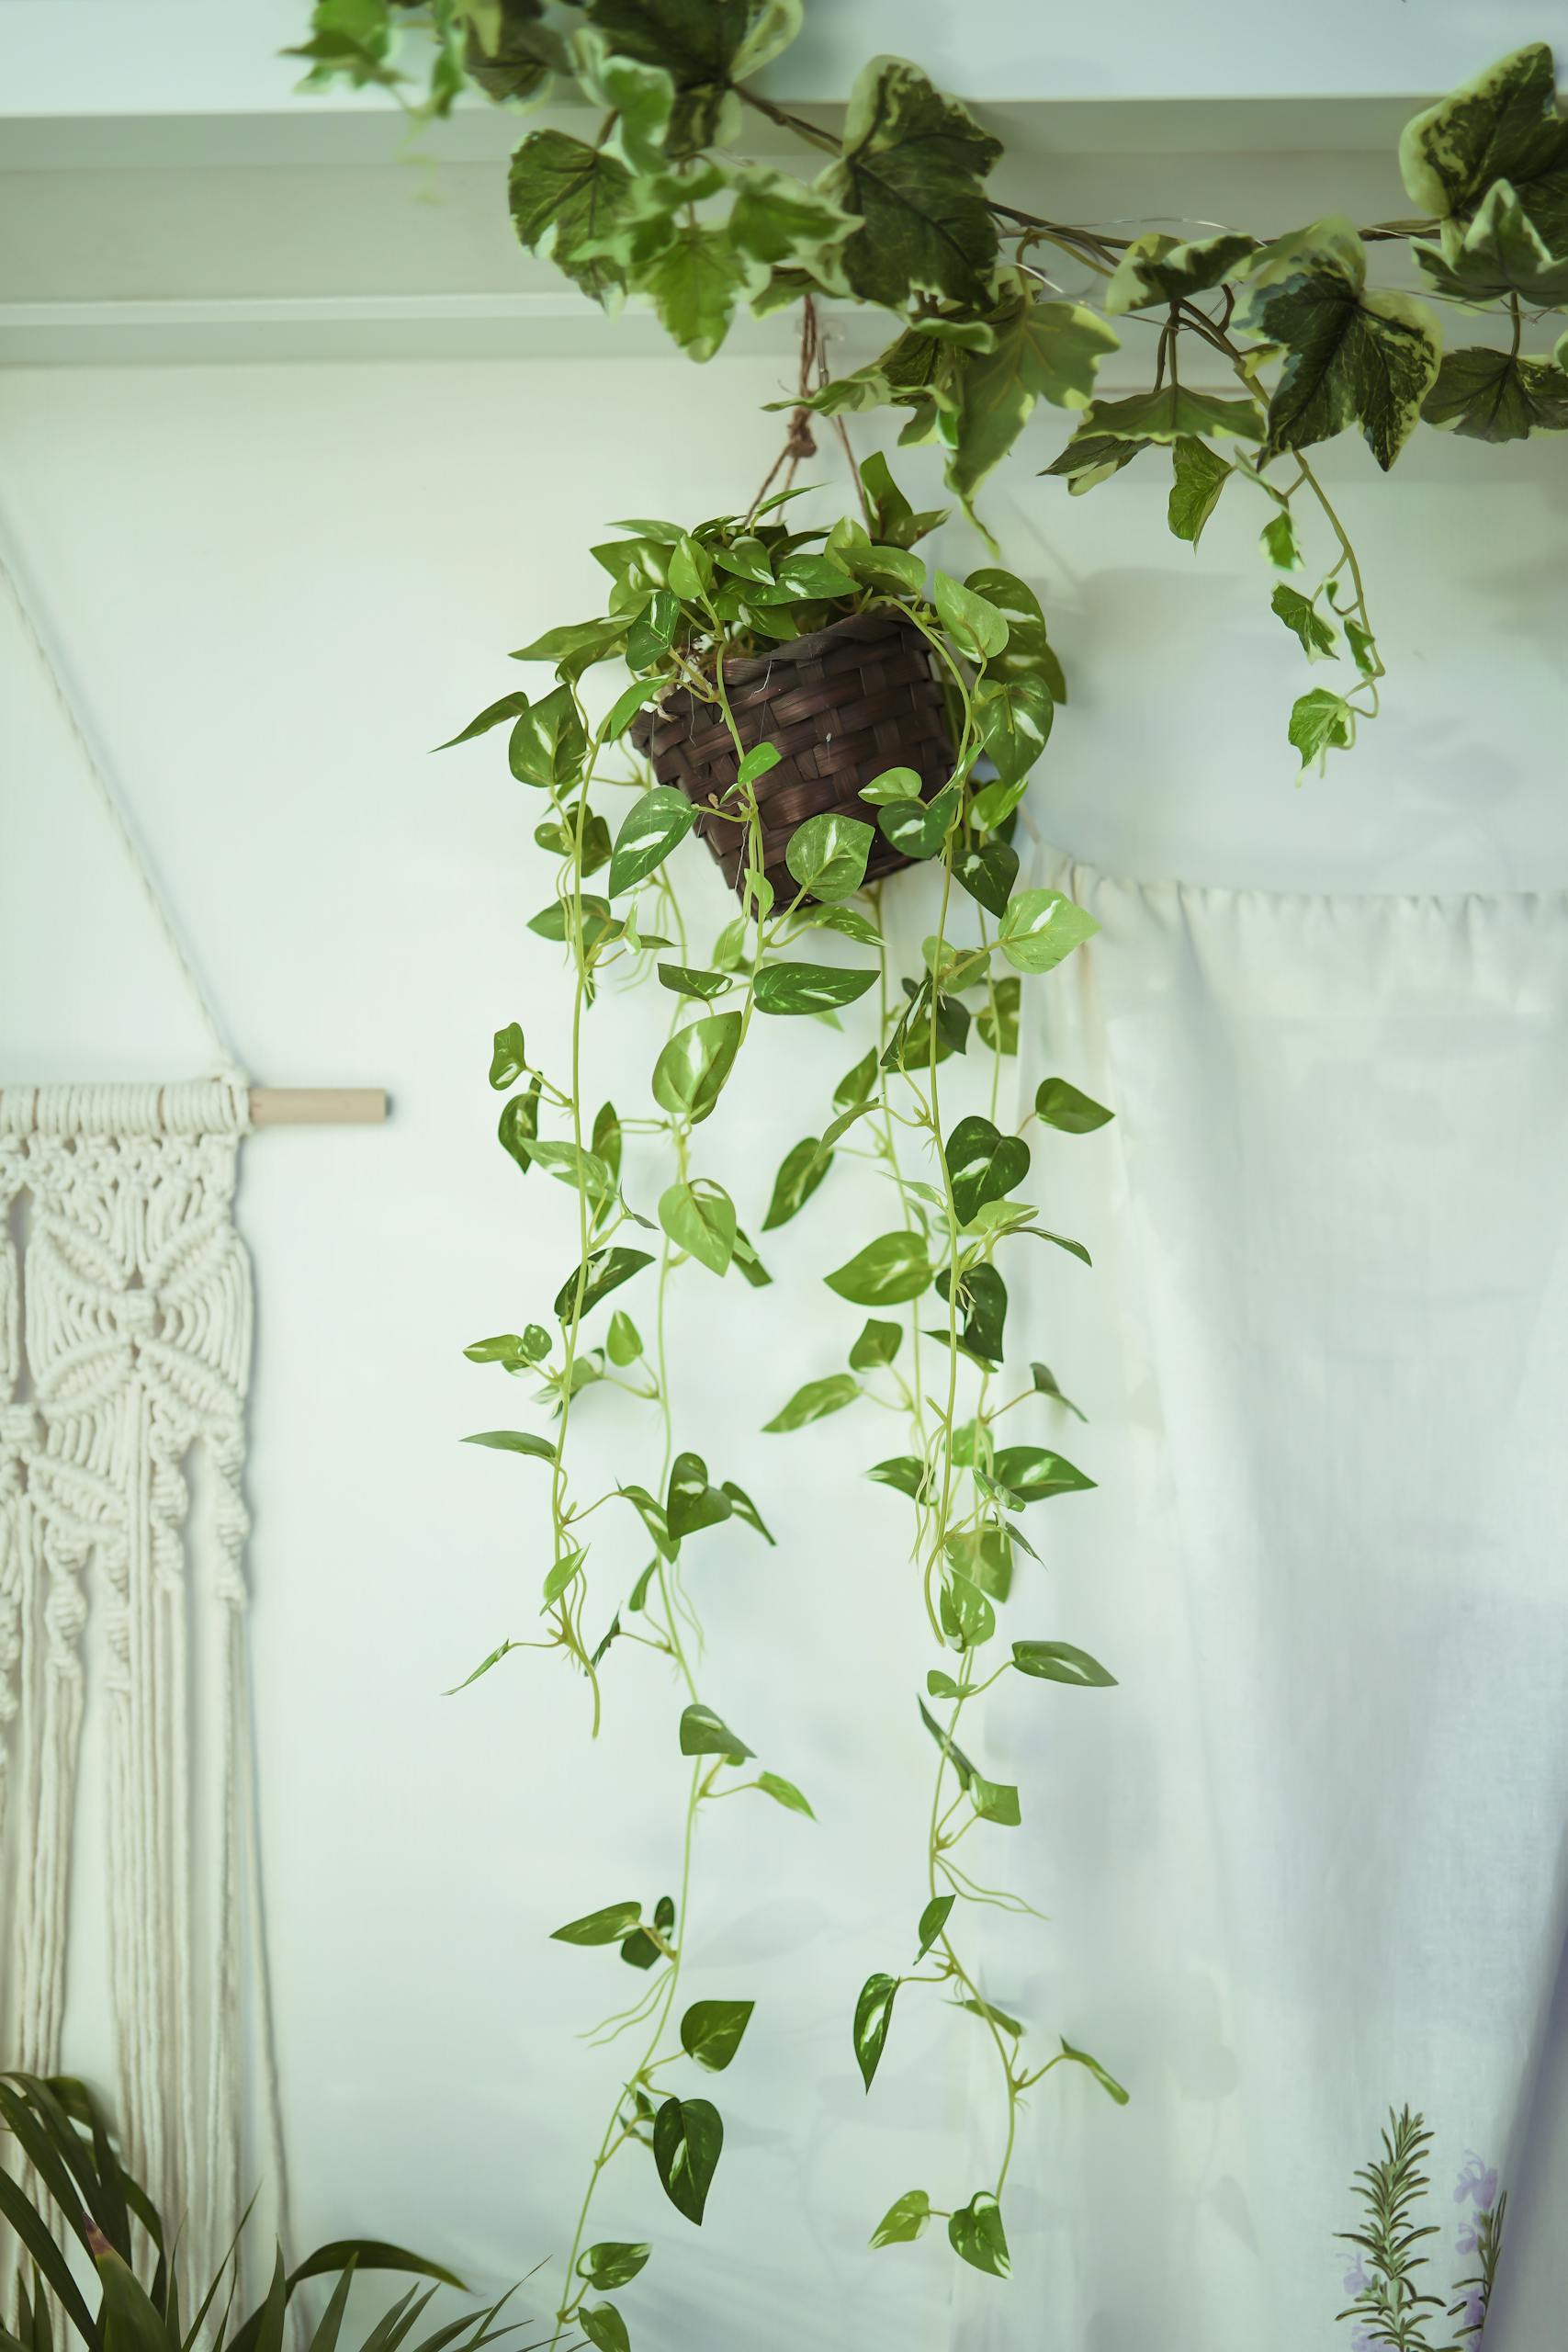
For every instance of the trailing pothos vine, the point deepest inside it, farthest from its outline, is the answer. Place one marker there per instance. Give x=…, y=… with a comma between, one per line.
x=682, y=605
x=665, y=204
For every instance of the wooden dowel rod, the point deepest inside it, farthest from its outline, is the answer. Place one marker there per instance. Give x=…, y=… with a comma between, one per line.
x=317, y=1106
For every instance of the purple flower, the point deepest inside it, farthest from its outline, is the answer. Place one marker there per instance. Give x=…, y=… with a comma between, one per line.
x=1468, y=2240
x=1356, y=2281
x=1364, y=2341
x=1478, y=2181
x=1475, y=2313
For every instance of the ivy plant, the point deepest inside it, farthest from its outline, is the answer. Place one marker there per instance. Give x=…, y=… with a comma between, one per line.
x=920, y=1105
x=664, y=204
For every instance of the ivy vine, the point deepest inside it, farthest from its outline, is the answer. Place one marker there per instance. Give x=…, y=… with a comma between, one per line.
x=663, y=204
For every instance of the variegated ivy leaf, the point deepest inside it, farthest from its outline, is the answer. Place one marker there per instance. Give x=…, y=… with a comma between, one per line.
x=639, y=94
x=1501, y=252
x=1302, y=617
x=1503, y=126
x=1156, y=268
x=1497, y=396
x=911, y=169
x=695, y=283
x=705, y=50
x=1321, y=722
x=777, y=219
x=565, y=196
x=1174, y=412
x=1350, y=356
x=1197, y=477
x=1091, y=459
x=1037, y=351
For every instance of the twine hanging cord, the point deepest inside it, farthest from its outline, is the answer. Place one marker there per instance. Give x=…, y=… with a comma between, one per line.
x=226, y=1064
x=800, y=441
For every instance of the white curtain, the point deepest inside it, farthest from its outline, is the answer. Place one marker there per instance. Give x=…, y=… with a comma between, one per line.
x=1306, y=1864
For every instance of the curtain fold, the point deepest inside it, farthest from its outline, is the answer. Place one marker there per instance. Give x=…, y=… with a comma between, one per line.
x=1304, y=1867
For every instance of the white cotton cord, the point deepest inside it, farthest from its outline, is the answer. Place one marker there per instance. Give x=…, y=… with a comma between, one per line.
x=94, y=763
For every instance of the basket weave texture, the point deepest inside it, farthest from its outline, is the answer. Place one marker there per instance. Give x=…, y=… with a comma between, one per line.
x=841, y=706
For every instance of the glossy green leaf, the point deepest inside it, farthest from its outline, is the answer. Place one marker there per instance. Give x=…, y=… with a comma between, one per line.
x=562, y=1572
x=1061, y=1662
x=878, y=1343
x=784, y=1792
x=902, y=1472
x=809, y=988
x=513, y=1442
x=828, y=854
x=858, y=1085
x=894, y=784
x=968, y=1620
x=509, y=1060
x=603, y=2327
x=649, y=833
x=1107, y=2082
x=1045, y=1385
x=692, y=1502
x=705, y=1733
x=949, y=1747
x=987, y=873
x=887, y=1272
x=605, y=1926
x=798, y=1177
x=689, y=1075
x=1014, y=718
x=547, y=745
x=997, y=1019
x=699, y=1218
x=606, y=1271
x=519, y=1124
x=496, y=714
x=814, y=1402
x=972, y=621
x=745, y=1509
x=992, y=2016
x=918, y=829
x=983, y=1165
x=904, y=2220
x=514, y=1349
x=873, y=2015
x=612, y=2263
x=711, y=2031
x=912, y=166
x=1062, y=1106
x=1041, y=927
x=600, y=928
x=933, y=1919
x=654, y=1517
x=644, y=1951
x=976, y=2236
x=688, y=2137
x=748, y=1265
x=682, y=980
x=995, y=1801
x=1033, y=1474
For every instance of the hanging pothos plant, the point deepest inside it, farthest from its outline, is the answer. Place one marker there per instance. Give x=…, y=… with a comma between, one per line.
x=685, y=612
x=663, y=203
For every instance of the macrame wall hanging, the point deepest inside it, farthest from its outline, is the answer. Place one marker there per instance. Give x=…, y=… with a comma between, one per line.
x=125, y=1349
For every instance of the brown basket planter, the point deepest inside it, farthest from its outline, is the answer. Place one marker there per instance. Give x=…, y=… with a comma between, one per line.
x=841, y=707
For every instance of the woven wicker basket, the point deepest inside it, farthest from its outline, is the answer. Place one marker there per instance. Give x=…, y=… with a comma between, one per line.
x=841, y=706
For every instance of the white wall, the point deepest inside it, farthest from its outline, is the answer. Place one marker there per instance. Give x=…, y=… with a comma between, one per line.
x=276, y=587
